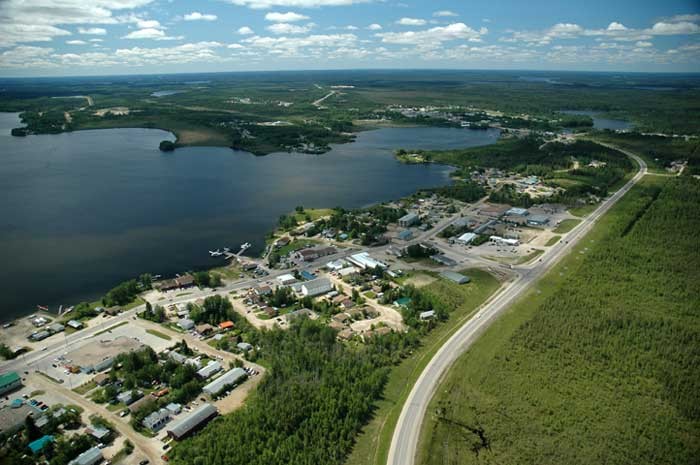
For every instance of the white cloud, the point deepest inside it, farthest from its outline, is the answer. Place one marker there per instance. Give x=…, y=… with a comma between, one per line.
x=351, y=28
x=286, y=28
x=615, y=26
x=96, y=40
x=76, y=42
x=374, y=27
x=312, y=45
x=39, y=20
x=677, y=18
x=146, y=23
x=95, y=31
x=197, y=16
x=411, y=22
x=235, y=46
x=288, y=17
x=263, y=4
x=150, y=33
x=433, y=37
x=643, y=44
x=245, y=31
x=683, y=27
x=444, y=14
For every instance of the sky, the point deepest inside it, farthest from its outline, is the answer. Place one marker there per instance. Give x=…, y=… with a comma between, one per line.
x=99, y=37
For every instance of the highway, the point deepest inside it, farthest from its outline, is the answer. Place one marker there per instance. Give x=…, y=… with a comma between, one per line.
x=407, y=431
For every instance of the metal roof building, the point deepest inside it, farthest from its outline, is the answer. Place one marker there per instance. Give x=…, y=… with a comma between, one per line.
x=229, y=378
x=89, y=457
x=466, y=238
x=455, y=277
x=408, y=220
x=156, y=420
x=316, y=287
x=516, y=211
x=537, y=220
x=192, y=422
x=364, y=261
x=9, y=381
x=209, y=370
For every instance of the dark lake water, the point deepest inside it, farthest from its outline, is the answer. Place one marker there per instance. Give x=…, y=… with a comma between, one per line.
x=80, y=212
x=601, y=123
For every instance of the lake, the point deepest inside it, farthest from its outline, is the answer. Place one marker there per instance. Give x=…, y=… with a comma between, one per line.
x=83, y=211
x=601, y=123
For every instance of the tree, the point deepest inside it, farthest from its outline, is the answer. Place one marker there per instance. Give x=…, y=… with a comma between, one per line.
x=31, y=429
x=166, y=146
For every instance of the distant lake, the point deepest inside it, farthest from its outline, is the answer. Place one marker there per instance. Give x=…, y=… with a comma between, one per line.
x=165, y=93
x=601, y=123
x=83, y=211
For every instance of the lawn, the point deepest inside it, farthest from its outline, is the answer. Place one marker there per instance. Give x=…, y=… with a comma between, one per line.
x=373, y=443
x=588, y=368
x=159, y=334
x=552, y=240
x=566, y=225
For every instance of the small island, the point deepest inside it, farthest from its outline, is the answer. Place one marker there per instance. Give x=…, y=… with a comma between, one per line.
x=19, y=132
x=166, y=146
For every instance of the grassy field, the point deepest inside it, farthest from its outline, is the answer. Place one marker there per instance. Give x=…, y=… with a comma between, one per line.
x=111, y=328
x=599, y=362
x=158, y=334
x=552, y=240
x=373, y=443
x=566, y=225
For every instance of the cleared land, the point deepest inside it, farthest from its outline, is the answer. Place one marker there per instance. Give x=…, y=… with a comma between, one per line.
x=598, y=364
x=373, y=443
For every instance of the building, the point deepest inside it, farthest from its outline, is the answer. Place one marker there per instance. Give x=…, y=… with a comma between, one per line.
x=9, y=382
x=210, y=370
x=75, y=324
x=186, y=324
x=174, y=408
x=12, y=417
x=226, y=325
x=98, y=432
x=408, y=220
x=504, y=241
x=204, y=329
x=40, y=336
x=286, y=279
x=56, y=328
x=516, y=211
x=38, y=445
x=443, y=260
x=156, y=420
x=336, y=265
x=192, y=422
x=455, y=277
x=308, y=255
x=405, y=235
x=185, y=281
x=129, y=397
x=316, y=287
x=466, y=238
x=301, y=313
x=538, y=220
x=244, y=346
x=101, y=379
x=177, y=357
x=89, y=457
x=427, y=315
x=230, y=378
x=307, y=275
x=364, y=261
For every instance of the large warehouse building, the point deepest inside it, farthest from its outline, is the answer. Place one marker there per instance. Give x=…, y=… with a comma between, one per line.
x=192, y=422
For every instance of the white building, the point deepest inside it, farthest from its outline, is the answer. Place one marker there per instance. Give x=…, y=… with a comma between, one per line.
x=286, y=279
x=466, y=238
x=364, y=261
x=504, y=241
x=316, y=287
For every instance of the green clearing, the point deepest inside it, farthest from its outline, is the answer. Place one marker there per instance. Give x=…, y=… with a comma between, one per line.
x=566, y=225
x=372, y=445
x=85, y=388
x=583, y=210
x=158, y=334
x=589, y=368
x=106, y=330
x=552, y=240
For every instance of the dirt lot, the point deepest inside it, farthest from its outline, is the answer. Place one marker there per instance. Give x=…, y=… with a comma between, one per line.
x=420, y=280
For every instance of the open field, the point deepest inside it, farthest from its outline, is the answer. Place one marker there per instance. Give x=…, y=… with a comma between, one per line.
x=566, y=226
x=372, y=444
x=587, y=368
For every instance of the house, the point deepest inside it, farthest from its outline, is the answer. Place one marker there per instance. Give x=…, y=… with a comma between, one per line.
x=342, y=318
x=186, y=324
x=89, y=457
x=192, y=422
x=9, y=382
x=335, y=265
x=129, y=397
x=308, y=255
x=302, y=312
x=316, y=287
x=38, y=445
x=244, y=346
x=177, y=357
x=156, y=420
x=466, y=238
x=270, y=311
x=204, y=329
x=98, y=432
x=347, y=271
x=141, y=403
x=210, y=370
x=504, y=241
x=443, y=260
x=282, y=242
x=230, y=378
x=405, y=235
x=455, y=277
x=12, y=417
x=263, y=290
x=101, y=379
x=408, y=220
x=40, y=336
x=347, y=303
x=75, y=324
x=427, y=315
x=226, y=325
x=174, y=408
x=185, y=281
x=286, y=279
x=56, y=328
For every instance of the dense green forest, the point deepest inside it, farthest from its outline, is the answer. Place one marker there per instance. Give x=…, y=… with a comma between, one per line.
x=599, y=364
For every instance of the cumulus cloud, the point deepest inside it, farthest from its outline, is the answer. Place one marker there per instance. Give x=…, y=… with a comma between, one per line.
x=434, y=36
x=288, y=17
x=263, y=4
x=679, y=28
x=444, y=14
x=96, y=31
x=76, y=42
x=197, y=16
x=298, y=46
x=149, y=33
x=286, y=28
x=374, y=27
x=245, y=31
x=411, y=22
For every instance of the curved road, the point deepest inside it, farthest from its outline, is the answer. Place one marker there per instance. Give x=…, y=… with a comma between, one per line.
x=407, y=431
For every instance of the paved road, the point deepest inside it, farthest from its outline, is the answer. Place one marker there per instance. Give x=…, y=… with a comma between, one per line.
x=405, y=439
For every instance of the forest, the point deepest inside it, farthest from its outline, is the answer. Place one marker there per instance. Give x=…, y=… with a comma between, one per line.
x=599, y=364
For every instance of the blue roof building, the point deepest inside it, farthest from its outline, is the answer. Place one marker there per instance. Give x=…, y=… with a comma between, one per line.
x=38, y=445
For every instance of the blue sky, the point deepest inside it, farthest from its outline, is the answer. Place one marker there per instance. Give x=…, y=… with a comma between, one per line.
x=87, y=37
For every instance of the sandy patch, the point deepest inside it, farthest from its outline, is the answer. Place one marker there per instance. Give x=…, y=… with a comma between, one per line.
x=420, y=280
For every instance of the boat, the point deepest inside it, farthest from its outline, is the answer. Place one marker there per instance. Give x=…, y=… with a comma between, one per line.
x=245, y=246
x=215, y=253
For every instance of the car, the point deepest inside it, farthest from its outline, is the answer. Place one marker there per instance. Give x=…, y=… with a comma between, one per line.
x=124, y=413
x=101, y=445
x=166, y=446
x=44, y=348
x=144, y=462
x=202, y=399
